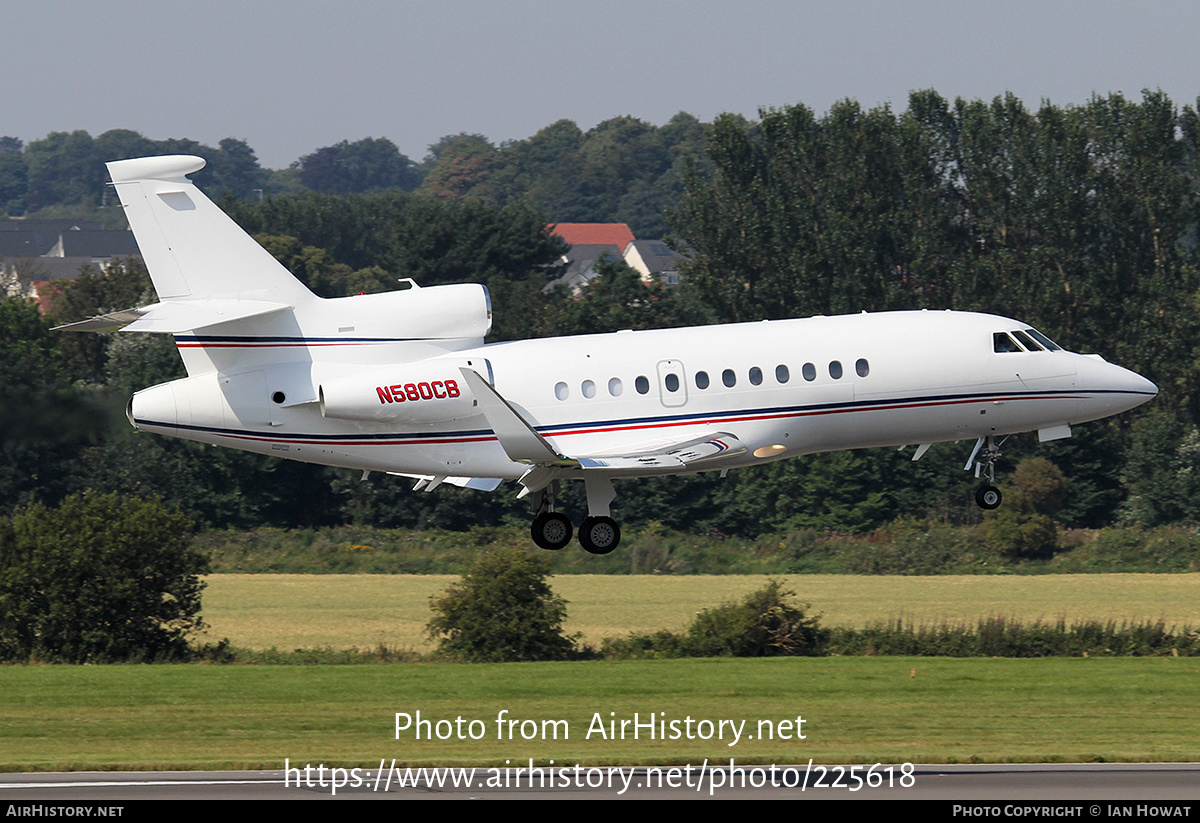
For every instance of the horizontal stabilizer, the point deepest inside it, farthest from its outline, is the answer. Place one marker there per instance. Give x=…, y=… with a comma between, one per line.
x=176, y=316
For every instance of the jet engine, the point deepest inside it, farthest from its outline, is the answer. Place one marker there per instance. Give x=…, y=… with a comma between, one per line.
x=429, y=391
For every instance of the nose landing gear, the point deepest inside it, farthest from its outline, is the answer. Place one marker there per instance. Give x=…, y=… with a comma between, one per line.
x=983, y=458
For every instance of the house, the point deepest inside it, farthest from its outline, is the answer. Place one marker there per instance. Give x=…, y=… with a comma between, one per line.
x=590, y=243
x=36, y=252
x=652, y=258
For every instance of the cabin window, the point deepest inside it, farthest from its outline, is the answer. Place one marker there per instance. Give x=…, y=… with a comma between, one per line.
x=561, y=391
x=862, y=367
x=835, y=369
x=729, y=378
x=809, y=371
x=671, y=381
x=755, y=376
x=702, y=380
x=1002, y=343
x=781, y=374
x=588, y=388
x=1026, y=341
x=642, y=384
x=614, y=387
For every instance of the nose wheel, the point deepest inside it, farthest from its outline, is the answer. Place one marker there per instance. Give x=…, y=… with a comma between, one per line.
x=988, y=497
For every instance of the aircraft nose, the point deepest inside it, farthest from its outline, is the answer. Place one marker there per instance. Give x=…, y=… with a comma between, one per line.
x=1133, y=384
x=1119, y=389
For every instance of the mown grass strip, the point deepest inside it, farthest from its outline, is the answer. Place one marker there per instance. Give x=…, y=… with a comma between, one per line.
x=860, y=710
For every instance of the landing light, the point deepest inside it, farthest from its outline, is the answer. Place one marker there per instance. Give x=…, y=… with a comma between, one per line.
x=770, y=451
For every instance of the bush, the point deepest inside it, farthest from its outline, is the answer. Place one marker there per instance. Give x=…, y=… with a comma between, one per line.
x=765, y=623
x=98, y=579
x=502, y=610
x=1025, y=529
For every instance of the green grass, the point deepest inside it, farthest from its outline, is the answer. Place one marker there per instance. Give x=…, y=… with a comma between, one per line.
x=859, y=710
x=340, y=611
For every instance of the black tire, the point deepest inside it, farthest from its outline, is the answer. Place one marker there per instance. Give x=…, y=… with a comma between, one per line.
x=599, y=535
x=988, y=497
x=551, y=530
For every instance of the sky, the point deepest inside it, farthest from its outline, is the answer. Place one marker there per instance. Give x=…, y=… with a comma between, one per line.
x=292, y=76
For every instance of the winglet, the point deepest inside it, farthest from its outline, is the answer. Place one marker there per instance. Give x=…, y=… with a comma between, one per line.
x=518, y=439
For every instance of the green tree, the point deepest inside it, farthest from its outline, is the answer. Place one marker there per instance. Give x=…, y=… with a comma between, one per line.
x=44, y=421
x=14, y=176
x=98, y=579
x=460, y=165
x=64, y=169
x=1025, y=527
x=370, y=164
x=502, y=610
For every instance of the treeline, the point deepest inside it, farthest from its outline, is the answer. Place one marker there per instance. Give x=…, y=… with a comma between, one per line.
x=1081, y=220
x=622, y=170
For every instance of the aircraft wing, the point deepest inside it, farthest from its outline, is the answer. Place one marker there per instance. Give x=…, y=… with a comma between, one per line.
x=674, y=455
x=522, y=443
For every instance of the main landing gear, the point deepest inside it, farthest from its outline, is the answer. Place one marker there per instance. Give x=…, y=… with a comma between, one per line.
x=551, y=530
x=983, y=458
x=598, y=533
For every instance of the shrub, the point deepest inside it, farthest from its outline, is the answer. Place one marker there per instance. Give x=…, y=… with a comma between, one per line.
x=98, y=579
x=502, y=610
x=1025, y=529
x=766, y=623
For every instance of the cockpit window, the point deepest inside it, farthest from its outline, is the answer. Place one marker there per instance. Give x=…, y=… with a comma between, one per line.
x=1001, y=343
x=1026, y=341
x=1043, y=339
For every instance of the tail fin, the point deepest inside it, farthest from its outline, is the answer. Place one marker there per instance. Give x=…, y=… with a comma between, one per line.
x=193, y=250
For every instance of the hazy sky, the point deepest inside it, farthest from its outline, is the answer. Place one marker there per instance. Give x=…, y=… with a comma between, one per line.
x=289, y=77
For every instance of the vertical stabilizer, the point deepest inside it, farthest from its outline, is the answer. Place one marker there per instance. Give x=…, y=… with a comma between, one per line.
x=192, y=249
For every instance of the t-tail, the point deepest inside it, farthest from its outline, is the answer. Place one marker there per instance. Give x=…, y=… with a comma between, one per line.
x=243, y=322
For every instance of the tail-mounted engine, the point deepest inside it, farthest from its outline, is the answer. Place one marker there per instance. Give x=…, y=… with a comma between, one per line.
x=429, y=391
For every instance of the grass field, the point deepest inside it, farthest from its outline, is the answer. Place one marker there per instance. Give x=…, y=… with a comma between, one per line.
x=340, y=611
x=856, y=710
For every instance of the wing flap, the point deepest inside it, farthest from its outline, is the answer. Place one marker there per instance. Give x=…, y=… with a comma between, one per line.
x=708, y=447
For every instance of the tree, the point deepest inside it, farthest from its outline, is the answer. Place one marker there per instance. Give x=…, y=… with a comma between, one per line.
x=370, y=164
x=14, y=176
x=43, y=420
x=98, y=579
x=766, y=623
x=502, y=610
x=1025, y=527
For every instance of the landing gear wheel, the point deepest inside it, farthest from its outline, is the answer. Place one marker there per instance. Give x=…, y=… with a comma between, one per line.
x=551, y=530
x=599, y=535
x=988, y=497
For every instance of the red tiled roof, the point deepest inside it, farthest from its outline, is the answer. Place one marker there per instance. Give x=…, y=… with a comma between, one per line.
x=590, y=234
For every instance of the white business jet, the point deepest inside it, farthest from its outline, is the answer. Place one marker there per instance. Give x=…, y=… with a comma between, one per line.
x=403, y=383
